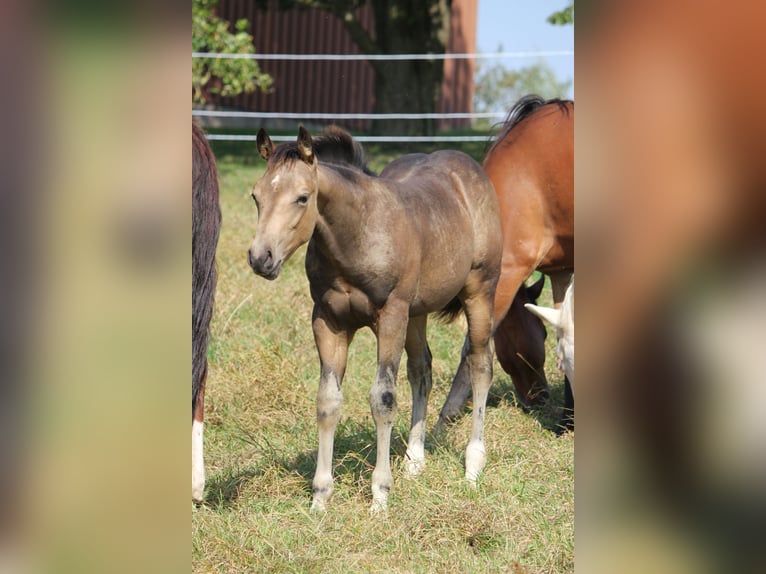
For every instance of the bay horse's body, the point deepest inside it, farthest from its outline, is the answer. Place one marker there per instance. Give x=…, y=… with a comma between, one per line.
x=383, y=253
x=531, y=165
x=206, y=221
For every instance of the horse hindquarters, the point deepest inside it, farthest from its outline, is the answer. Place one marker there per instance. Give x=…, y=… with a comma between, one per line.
x=206, y=221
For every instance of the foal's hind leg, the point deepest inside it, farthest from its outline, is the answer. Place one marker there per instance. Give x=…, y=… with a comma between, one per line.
x=478, y=311
x=419, y=375
x=333, y=352
x=390, y=331
x=512, y=277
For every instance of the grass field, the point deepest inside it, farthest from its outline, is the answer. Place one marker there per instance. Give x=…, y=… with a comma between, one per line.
x=261, y=441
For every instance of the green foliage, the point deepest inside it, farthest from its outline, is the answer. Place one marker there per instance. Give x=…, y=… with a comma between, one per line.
x=497, y=87
x=226, y=77
x=563, y=17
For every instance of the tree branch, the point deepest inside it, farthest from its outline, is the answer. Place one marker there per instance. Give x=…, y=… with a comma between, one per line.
x=344, y=10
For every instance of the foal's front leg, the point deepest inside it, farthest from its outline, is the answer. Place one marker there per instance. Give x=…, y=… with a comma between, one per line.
x=332, y=345
x=390, y=331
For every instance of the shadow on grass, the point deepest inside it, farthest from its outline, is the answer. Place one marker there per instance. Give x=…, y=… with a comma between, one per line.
x=222, y=491
x=548, y=415
x=354, y=457
x=354, y=452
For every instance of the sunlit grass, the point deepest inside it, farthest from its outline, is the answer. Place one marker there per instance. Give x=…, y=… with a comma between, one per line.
x=261, y=445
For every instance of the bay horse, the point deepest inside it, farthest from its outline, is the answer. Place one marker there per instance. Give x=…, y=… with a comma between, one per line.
x=531, y=165
x=206, y=222
x=383, y=252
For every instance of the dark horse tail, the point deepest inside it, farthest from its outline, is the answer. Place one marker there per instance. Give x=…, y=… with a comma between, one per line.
x=525, y=107
x=206, y=221
x=451, y=311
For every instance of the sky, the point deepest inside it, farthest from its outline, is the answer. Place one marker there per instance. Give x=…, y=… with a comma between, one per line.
x=520, y=25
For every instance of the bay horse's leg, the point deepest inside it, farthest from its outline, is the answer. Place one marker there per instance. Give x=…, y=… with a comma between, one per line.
x=478, y=312
x=419, y=375
x=332, y=345
x=455, y=402
x=391, y=331
x=198, y=463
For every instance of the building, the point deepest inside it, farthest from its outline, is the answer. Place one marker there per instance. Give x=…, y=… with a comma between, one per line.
x=335, y=86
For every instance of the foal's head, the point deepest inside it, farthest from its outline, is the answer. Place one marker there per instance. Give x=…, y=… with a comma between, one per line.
x=286, y=198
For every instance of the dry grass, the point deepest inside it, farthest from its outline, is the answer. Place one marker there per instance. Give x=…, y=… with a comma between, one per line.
x=261, y=446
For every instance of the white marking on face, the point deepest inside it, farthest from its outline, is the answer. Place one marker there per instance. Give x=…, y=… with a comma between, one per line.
x=198, y=464
x=275, y=181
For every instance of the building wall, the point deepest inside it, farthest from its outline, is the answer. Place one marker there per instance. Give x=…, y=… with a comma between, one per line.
x=337, y=87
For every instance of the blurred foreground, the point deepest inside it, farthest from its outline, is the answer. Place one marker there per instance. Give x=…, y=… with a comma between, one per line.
x=671, y=454
x=670, y=188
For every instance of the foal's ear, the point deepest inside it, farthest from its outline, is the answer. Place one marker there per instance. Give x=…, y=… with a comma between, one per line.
x=305, y=145
x=264, y=143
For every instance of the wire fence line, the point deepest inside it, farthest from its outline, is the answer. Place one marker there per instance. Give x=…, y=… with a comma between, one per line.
x=363, y=139
x=366, y=116
x=350, y=116
x=385, y=57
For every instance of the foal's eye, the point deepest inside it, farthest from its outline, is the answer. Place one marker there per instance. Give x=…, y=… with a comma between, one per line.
x=302, y=199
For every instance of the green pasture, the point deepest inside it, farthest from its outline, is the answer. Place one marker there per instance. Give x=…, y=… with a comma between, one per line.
x=260, y=439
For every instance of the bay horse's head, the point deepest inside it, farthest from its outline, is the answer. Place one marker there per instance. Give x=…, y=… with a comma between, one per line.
x=286, y=198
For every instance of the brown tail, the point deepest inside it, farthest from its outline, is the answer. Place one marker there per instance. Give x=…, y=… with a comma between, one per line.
x=206, y=222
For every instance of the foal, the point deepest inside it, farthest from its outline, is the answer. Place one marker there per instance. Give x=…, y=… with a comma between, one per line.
x=383, y=253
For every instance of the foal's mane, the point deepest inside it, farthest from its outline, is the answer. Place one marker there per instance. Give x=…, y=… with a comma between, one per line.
x=524, y=108
x=334, y=146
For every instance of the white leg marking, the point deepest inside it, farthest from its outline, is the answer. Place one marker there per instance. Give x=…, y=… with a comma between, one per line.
x=329, y=404
x=475, y=459
x=415, y=461
x=198, y=463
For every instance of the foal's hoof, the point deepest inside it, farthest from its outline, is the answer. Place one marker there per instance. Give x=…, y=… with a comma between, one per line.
x=379, y=508
x=413, y=466
x=475, y=459
x=318, y=506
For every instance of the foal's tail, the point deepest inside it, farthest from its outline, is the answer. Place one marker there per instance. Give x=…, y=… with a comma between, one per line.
x=206, y=222
x=451, y=311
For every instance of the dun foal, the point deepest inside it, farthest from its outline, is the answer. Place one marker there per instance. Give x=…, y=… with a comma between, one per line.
x=383, y=253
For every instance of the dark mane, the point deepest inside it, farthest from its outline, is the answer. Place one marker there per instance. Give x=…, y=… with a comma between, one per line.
x=524, y=108
x=333, y=146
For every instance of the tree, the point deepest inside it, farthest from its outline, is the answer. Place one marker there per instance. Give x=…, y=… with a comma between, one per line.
x=401, y=26
x=226, y=77
x=497, y=87
x=563, y=17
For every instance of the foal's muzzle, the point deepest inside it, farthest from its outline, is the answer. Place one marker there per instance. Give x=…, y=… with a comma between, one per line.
x=264, y=264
